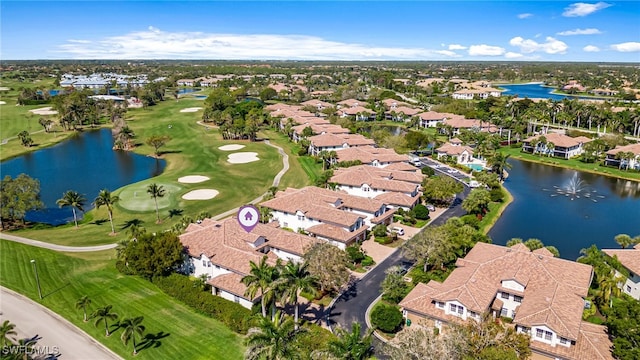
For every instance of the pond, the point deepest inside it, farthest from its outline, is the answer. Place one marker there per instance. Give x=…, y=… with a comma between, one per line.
x=537, y=90
x=567, y=209
x=86, y=163
x=394, y=130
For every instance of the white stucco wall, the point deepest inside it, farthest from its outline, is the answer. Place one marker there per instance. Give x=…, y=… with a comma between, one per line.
x=204, y=266
x=237, y=299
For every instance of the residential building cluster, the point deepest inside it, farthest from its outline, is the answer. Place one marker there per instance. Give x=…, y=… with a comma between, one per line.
x=104, y=80
x=541, y=295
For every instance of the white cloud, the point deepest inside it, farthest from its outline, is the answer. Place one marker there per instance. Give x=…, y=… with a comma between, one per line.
x=513, y=55
x=591, y=48
x=589, y=31
x=627, y=47
x=447, y=53
x=550, y=46
x=485, y=50
x=456, y=47
x=584, y=9
x=524, y=15
x=154, y=43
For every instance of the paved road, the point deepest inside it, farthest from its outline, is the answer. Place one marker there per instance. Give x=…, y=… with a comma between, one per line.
x=56, y=335
x=353, y=303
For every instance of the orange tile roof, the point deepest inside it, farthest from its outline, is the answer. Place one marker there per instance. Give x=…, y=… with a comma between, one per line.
x=323, y=204
x=367, y=154
x=634, y=148
x=232, y=283
x=593, y=344
x=451, y=149
x=332, y=140
x=226, y=244
x=629, y=258
x=561, y=140
x=336, y=233
x=398, y=199
x=378, y=178
x=401, y=166
x=554, y=288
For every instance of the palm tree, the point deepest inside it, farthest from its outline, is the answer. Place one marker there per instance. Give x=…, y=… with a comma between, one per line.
x=349, y=345
x=104, y=315
x=499, y=164
x=105, y=198
x=132, y=327
x=156, y=191
x=609, y=287
x=295, y=277
x=273, y=340
x=623, y=240
x=6, y=330
x=83, y=303
x=73, y=199
x=259, y=281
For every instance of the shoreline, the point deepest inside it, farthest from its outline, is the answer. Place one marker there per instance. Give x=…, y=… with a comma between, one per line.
x=509, y=199
x=517, y=157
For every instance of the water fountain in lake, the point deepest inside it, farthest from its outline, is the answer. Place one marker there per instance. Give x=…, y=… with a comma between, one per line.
x=576, y=188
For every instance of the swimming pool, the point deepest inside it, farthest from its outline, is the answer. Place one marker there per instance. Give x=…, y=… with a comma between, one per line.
x=475, y=167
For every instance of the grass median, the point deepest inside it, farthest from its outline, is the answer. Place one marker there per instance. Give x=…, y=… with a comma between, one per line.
x=181, y=333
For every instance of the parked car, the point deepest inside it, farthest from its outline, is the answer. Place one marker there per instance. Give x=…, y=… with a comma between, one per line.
x=398, y=230
x=431, y=207
x=452, y=171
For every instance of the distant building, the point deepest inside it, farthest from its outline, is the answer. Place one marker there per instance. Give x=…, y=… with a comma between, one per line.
x=630, y=259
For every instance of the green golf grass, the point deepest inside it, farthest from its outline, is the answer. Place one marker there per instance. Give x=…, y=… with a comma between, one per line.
x=65, y=278
x=192, y=150
x=135, y=197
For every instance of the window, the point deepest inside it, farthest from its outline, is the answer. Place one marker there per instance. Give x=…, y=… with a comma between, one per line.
x=456, y=309
x=504, y=312
x=628, y=288
x=236, y=299
x=300, y=217
x=548, y=335
x=209, y=264
x=563, y=341
x=452, y=308
x=517, y=298
x=460, y=310
x=441, y=305
x=504, y=295
x=204, y=263
x=539, y=333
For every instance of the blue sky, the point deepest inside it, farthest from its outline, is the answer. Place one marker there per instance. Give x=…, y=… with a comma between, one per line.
x=321, y=30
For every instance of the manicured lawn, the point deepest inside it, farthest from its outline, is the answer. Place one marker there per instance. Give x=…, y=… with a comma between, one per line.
x=192, y=150
x=310, y=167
x=183, y=334
x=296, y=177
x=576, y=164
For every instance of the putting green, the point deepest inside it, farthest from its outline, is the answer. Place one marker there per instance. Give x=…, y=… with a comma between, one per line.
x=135, y=197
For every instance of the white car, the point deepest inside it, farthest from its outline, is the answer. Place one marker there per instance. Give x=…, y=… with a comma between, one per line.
x=452, y=171
x=398, y=230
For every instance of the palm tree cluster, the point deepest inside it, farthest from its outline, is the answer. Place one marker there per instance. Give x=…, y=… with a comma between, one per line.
x=132, y=328
x=77, y=201
x=278, y=283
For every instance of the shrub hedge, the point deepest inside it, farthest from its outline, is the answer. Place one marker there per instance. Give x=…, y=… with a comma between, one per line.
x=386, y=317
x=234, y=316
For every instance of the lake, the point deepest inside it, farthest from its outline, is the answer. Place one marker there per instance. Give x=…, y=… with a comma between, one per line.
x=536, y=90
x=602, y=208
x=86, y=163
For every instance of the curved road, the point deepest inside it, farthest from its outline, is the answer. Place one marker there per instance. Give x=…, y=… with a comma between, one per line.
x=352, y=304
x=56, y=336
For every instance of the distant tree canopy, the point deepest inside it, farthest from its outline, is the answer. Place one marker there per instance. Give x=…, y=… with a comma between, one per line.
x=17, y=196
x=237, y=120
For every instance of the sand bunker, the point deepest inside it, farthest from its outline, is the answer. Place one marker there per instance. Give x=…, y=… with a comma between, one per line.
x=44, y=111
x=3, y=88
x=2, y=103
x=193, y=109
x=231, y=147
x=192, y=179
x=200, y=194
x=243, y=157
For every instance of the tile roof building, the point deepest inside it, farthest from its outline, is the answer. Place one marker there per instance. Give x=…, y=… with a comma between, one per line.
x=370, y=155
x=632, y=162
x=630, y=259
x=222, y=251
x=328, y=142
x=564, y=146
x=334, y=216
x=543, y=295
